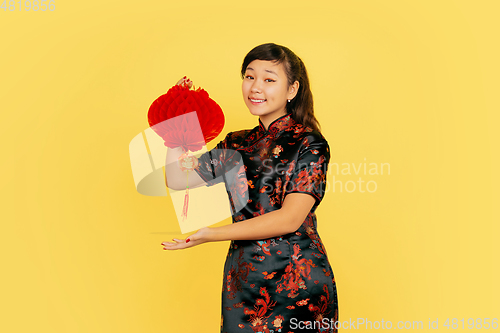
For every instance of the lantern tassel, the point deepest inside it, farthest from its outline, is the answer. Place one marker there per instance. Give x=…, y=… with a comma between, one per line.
x=186, y=199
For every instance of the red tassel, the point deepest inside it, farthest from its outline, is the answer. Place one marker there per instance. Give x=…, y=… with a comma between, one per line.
x=186, y=203
x=186, y=199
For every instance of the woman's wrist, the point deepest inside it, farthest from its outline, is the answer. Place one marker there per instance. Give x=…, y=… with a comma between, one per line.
x=211, y=234
x=206, y=235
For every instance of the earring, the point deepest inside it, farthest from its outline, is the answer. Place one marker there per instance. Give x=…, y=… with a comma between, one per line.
x=288, y=101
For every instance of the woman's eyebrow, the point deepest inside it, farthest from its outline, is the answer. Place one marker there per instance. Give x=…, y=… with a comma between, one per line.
x=267, y=70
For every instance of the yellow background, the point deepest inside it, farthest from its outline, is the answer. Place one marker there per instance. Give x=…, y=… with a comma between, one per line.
x=409, y=83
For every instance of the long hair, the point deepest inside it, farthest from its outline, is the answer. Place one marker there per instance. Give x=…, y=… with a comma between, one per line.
x=301, y=106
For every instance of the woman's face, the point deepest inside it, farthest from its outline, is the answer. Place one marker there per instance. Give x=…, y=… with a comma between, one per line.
x=265, y=90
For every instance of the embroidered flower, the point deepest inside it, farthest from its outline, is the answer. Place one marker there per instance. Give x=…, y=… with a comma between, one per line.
x=268, y=276
x=277, y=150
x=303, y=302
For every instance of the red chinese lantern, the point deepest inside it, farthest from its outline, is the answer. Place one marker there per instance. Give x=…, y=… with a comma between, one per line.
x=178, y=131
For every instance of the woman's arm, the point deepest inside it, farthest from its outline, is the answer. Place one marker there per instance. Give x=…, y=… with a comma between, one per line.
x=276, y=223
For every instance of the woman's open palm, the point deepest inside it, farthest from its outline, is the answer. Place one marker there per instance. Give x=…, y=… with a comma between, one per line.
x=197, y=238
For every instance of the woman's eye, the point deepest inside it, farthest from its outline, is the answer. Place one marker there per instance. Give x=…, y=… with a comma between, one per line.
x=251, y=78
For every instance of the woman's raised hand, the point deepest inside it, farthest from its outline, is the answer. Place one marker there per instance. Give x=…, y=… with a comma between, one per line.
x=185, y=81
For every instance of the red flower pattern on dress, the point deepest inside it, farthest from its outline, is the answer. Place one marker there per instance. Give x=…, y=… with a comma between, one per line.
x=303, y=302
x=268, y=276
x=237, y=276
x=241, y=185
x=275, y=198
x=277, y=150
x=321, y=310
x=292, y=279
x=264, y=246
x=261, y=211
x=238, y=305
x=278, y=320
x=259, y=314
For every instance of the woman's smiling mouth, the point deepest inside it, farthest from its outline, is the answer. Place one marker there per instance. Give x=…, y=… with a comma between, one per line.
x=256, y=101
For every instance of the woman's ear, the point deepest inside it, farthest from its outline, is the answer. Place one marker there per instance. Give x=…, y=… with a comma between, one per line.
x=293, y=89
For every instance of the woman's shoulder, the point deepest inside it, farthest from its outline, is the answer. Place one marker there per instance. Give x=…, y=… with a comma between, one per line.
x=315, y=136
x=310, y=140
x=306, y=134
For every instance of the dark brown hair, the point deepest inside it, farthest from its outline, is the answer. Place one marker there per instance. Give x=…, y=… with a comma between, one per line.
x=301, y=107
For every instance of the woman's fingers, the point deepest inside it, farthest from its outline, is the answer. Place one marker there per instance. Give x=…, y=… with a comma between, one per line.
x=191, y=240
x=180, y=240
x=176, y=244
x=185, y=81
x=181, y=80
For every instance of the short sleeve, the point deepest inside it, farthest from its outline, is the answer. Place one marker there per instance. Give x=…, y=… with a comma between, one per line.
x=211, y=163
x=308, y=174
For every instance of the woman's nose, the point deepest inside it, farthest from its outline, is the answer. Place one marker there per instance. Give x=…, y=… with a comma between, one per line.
x=256, y=86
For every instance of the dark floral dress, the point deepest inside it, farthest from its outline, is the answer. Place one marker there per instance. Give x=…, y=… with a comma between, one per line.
x=285, y=283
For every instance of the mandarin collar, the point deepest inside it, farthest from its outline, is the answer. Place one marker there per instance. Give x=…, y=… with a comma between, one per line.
x=278, y=125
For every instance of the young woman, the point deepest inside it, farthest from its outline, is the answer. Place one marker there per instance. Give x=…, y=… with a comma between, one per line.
x=277, y=276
